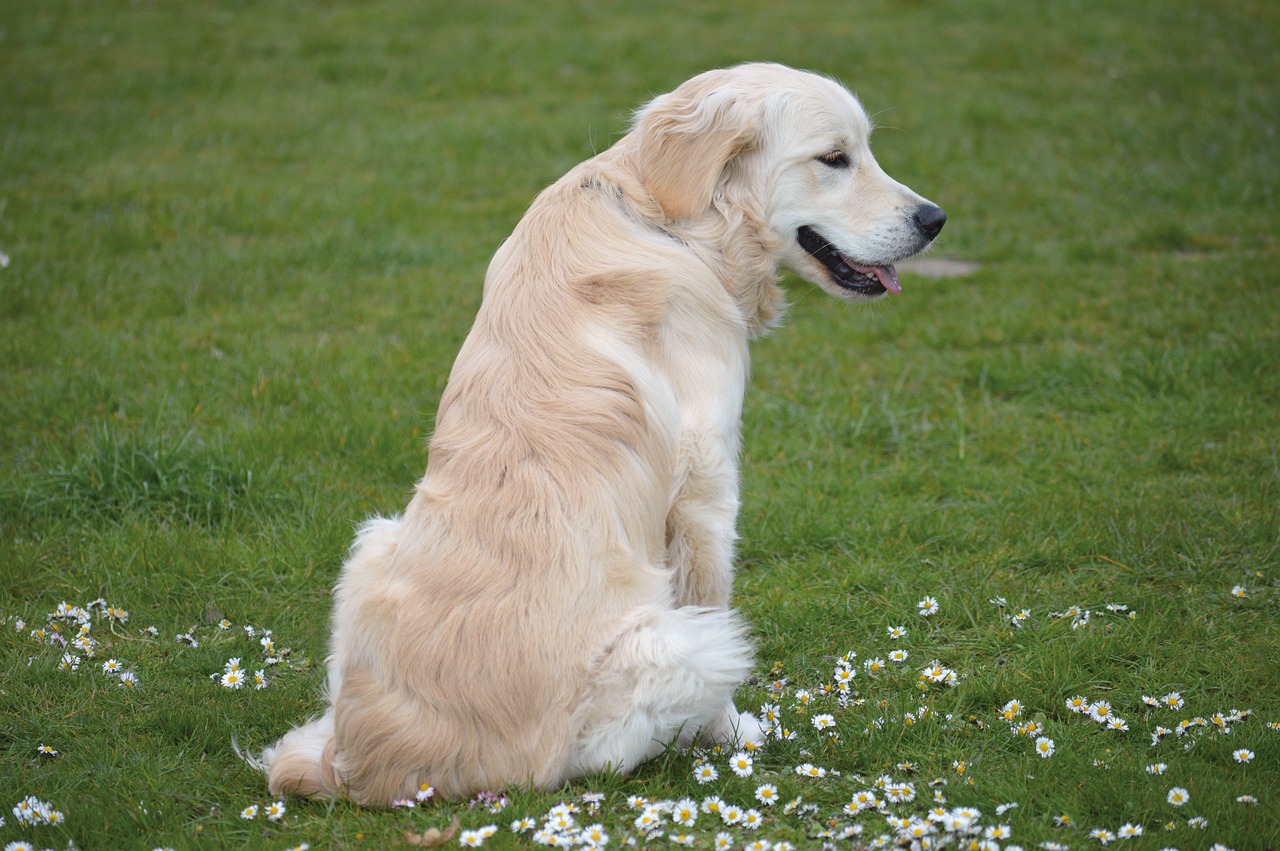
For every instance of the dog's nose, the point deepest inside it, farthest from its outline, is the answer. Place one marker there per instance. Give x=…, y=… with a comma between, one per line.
x=929, y=218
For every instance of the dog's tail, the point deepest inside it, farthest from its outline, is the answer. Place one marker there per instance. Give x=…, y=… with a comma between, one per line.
x=301, y=763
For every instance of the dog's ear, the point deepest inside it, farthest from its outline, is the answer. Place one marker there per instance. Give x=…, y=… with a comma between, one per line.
x=686, y=139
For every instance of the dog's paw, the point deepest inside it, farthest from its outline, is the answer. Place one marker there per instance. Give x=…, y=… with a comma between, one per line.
x=734, y=728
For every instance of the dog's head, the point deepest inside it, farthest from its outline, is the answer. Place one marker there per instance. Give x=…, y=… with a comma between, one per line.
x=791, y=150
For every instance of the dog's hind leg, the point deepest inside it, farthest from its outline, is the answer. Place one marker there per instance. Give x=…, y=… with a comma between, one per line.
x=661, y=680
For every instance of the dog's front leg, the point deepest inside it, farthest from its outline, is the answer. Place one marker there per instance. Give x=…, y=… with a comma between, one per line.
x=700, y=547
x=701, y=524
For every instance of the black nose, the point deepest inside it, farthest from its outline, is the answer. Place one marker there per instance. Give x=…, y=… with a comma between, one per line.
x=929, y=219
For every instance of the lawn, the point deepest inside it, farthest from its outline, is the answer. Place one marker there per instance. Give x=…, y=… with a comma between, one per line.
x=241, y=242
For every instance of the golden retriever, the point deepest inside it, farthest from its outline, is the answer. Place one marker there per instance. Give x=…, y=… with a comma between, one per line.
x=554, y=600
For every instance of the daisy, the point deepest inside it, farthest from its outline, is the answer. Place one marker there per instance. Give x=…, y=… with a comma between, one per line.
x=275, y=811
x=1079, y=704
x=767, y=794
x=1178, y=796
x=705, y=773
x=232, y=665
x=45, y=750
x=1011, y=710
x=897, y=632
x=1102, y=835
x=864, y=800
x=741, y=763
x=808, y=769
x=1115, y=722
x=560, y=821
x=928, y=607
x=112, y=666
x=523, y=825
x=593, y=836
x=471, y=839
x=1198, y=822
x=249, y=813
x=1100, y=711
x=898, y=656
x=1242, y=755
x=1045, y=747
x=900, y=793
x=1020, y=618
x=874, y=666
x=1173, y=700
x=259, y=679
x=685, y=812
x=424, y=793
x=998, y=831
x=916, y=829
x=934, y=672
x=1129, y=830
x=232, y=679
x=824, y=722
x=723, y=841
x=650, y=819
x=1157, y=768
x=1239, y=591
x=1246, y=799
x=128, y=679
x=685, y=839
x=751, y=819
x=731, y=814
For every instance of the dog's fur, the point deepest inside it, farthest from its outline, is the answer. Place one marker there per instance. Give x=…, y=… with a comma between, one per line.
x=555, y=599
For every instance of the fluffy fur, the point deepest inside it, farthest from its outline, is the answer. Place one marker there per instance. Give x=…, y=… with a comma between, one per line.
x=555, y=598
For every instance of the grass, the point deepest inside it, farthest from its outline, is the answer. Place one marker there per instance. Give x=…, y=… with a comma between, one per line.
x=244, y=242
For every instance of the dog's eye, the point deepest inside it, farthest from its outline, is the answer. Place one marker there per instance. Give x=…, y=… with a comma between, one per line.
x=835, y=159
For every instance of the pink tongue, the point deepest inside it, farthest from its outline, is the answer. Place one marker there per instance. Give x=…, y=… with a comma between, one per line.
x=887, y=275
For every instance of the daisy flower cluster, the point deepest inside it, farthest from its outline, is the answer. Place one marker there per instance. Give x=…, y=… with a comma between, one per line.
x=31, y=812
x=273, y=811
x=234, y=674
x=798, y=788
x=70, y=628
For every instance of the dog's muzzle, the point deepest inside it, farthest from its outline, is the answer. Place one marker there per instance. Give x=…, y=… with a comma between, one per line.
x=852, y=276
x=863, y=279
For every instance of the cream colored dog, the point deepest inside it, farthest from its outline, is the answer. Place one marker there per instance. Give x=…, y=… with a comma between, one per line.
x=555, y=599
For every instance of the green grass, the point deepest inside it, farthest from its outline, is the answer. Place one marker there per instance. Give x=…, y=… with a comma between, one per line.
x=245, y=241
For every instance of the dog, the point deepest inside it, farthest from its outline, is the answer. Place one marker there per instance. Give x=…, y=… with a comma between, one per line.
x=555, y=599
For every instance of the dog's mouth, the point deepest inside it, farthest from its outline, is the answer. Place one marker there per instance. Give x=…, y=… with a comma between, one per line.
x=850, y=275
